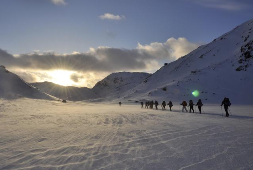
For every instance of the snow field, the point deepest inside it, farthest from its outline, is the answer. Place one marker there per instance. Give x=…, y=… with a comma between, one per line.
x=40, y=134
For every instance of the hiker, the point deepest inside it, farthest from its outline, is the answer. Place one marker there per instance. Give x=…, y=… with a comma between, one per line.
x=163, y=105
x=184, y=104
x=191, y=106
x=146, y=104
x=226, y=104
x=170, y=105
x=199, y=104
x=156, y=104
x=151, y=104
x=120, y=103
x=141, y=104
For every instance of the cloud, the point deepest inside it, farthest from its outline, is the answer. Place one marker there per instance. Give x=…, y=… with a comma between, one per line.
x=97, y=63
x=229, y=5
x=103, y=59
x=76, y=77
x=59, y=2
x=172, y=49
x=108, y=16
x=32, y=75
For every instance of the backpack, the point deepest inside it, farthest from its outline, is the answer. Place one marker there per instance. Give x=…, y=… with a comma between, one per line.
x=227, y=102
x=200, y=103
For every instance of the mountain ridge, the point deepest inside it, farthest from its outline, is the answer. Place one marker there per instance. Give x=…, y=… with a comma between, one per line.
x=221, y=68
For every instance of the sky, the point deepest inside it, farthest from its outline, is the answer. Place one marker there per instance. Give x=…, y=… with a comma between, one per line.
x=82, y=41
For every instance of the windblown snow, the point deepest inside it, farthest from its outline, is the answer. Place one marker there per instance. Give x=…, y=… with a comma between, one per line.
x=42, y=134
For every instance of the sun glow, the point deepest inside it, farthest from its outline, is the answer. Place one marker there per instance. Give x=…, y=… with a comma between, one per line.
x=62, y=77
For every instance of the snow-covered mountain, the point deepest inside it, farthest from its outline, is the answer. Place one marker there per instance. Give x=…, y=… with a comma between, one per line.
x=222, y=68
x=111, y=87
x=118, y=84
x=12, y=86
x=66, y=92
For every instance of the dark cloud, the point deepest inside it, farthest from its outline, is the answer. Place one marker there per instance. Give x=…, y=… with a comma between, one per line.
x=76, y=77
x=102, y=59
x=106, y=59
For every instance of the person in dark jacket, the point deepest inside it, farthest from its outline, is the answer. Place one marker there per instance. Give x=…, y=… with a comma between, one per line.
x=191, y=106
x=141, y=104
x=163, y=105
x=156, y=104
x=170, y=105
x=146, y=104
x=120, y=103
x=151, y=104
x=226, y=104
x=199, y=104
x=184, y=104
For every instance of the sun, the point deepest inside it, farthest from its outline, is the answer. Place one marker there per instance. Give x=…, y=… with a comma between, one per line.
x=62, y=77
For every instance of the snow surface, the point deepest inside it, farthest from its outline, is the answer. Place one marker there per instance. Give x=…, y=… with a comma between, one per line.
x=43, y=134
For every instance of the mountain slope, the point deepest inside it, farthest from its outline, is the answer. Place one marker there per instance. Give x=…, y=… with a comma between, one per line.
x=218, y=69
x=118, y=84
x=111, y=87
x=66, y=92
x=12, y=86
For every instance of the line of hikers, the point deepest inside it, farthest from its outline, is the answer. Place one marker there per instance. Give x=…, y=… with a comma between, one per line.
x=150, y=104
x=191, y=104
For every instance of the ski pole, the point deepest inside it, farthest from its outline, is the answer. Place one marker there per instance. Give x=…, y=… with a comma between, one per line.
x=230, y=112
